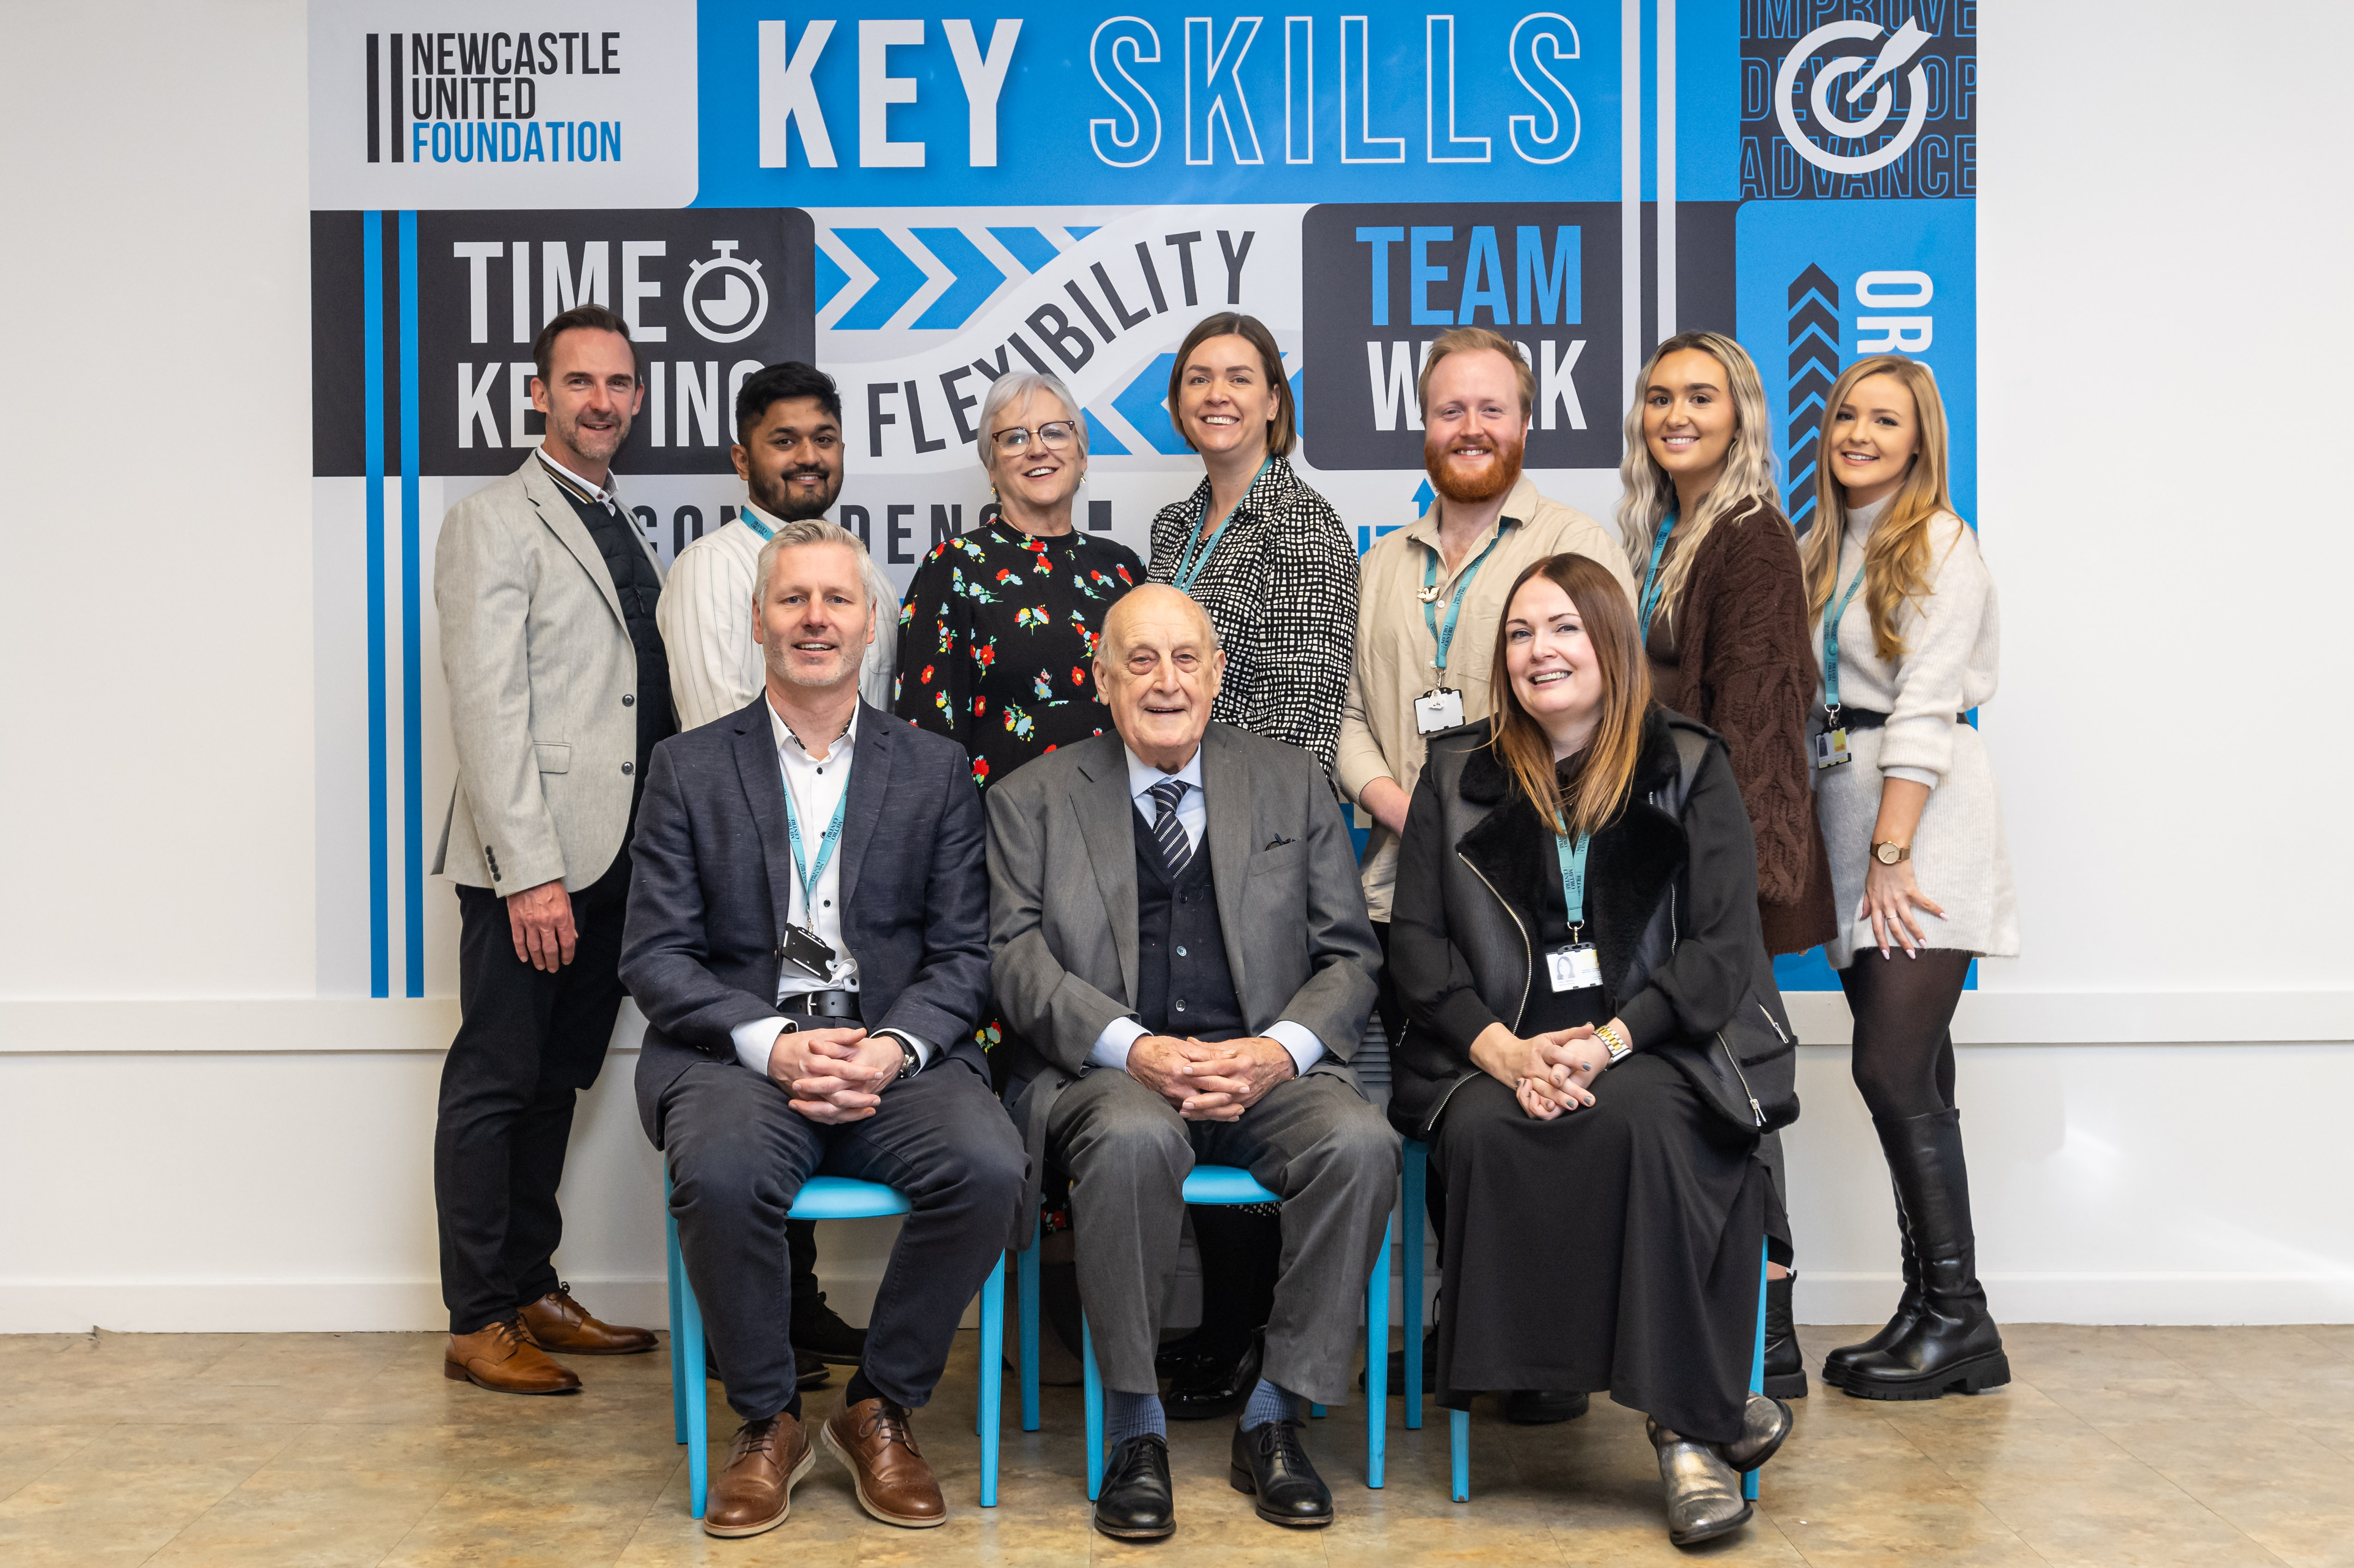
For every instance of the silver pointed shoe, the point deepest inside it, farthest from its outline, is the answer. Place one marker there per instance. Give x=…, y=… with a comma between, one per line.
x=1765, y=1422
x=1704, y=1498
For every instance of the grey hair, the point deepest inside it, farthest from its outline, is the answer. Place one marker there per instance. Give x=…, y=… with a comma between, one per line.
x=1011, y=390
x=816, y=531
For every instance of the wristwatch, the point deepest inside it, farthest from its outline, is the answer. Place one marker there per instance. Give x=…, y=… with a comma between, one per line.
x=1891, y=855
x=1614, y=1044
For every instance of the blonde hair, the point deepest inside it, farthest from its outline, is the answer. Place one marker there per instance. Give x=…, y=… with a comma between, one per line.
x=1603, y=783
x=1896, y=555
x=1470, y=340
x=1647, y=493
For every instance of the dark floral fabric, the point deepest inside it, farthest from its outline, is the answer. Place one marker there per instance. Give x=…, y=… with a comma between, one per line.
x=997, y=641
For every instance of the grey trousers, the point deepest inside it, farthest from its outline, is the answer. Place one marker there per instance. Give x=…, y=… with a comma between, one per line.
x=738, y=1154
x=1313, y=1142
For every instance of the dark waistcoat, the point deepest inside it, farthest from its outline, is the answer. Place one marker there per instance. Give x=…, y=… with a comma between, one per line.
x=639, y=588
x=1183, y=986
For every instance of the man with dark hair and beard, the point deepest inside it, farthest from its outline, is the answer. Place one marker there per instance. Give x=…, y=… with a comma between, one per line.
x=1429, y=598
x=789, y=454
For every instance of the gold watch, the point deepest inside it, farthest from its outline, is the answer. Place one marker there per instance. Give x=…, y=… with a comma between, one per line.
x=1892, y=854
x=1613, y=1042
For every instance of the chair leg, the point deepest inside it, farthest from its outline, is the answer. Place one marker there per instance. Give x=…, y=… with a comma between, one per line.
x=1316, y=1412
x=992, y=1377
x=675, y=1271
x=698, y=1403
x=1417, y=1170
x=1377, y=1363
x=1026, y=1308
x=1757, y=1368
x=1094, y=1402
x=1459, y=1452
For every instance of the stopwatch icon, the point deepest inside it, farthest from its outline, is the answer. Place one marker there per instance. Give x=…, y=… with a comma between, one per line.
x=1880, y=80
x=735, y=304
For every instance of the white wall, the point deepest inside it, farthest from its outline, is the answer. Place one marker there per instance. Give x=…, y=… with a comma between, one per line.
x=188, y=1139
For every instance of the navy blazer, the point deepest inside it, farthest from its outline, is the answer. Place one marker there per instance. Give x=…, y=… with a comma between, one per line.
x=711, y=865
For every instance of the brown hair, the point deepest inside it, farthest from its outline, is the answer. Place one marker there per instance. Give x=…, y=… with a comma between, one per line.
x=1896, y=556
x=1601, y=786
x=1283, y=429
x=596, y=318
x=1468, y=340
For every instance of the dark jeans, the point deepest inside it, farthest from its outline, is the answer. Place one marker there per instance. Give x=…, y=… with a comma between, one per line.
x=528, y=1044
x=738, y=1154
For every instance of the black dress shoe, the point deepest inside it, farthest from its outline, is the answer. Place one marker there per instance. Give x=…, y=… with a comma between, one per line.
x=1270, y=1465
x=1137, y=1502
x=1542, y=1407
x=1217, y=1388
x=820, y=1335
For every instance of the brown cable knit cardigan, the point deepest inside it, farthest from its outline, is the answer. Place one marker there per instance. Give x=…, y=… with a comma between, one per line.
x=1745, y=668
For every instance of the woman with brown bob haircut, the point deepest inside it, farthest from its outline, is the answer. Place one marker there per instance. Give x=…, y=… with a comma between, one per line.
x=1604, y=1217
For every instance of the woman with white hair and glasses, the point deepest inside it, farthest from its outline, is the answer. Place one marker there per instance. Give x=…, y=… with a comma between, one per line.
x=997, y=635
x=1722, y=610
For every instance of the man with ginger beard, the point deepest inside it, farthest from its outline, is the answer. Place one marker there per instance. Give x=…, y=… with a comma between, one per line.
x=1429, y=600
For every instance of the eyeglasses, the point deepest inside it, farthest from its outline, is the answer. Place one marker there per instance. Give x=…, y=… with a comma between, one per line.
x=1055, y=435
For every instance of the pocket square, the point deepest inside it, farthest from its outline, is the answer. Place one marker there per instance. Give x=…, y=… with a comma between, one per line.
x=1278, y=843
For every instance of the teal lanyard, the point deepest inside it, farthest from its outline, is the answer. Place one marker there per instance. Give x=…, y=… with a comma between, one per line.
x=1188, y=569
x=1652, y=579
x=755, y=525
x=811, y=875
x=1444, y=639
x=1830, y=644
x=1573, y=878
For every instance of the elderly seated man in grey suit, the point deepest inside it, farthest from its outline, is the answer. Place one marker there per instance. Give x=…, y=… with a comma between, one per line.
x=808, y=936
x=1181, y=944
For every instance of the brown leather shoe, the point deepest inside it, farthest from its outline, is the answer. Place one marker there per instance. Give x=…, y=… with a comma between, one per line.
x=873, y=1439
x=556, y=1322
x=755, y=1491
x=498, y=1357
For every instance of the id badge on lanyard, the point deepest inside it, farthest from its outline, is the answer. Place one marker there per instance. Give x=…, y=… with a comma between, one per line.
x=1441, y=707
x=1574, y=965
x=802, y=948
x=1831, y=741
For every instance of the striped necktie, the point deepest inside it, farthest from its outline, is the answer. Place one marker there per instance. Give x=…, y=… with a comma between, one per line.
x=1176, y=851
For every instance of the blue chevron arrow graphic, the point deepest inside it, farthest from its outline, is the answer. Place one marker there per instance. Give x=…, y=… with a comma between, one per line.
x=977, y=277
x=1029, y=246
x=1144, y=404
x=1076, y=232
x=1813, y=280
x=1101, y=442
x=896, y=279
x=1801, y=354
x=1817, y=313
x=829, y=279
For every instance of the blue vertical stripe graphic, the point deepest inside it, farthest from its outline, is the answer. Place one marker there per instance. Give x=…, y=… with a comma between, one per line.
x=372, y=341
x=412, y=739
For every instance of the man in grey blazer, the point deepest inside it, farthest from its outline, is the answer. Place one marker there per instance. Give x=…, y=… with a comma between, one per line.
x=558, y=692
x=1180, y=938
x=808, y=936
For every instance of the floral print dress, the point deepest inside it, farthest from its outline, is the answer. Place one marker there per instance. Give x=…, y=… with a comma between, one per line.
x=997, y=641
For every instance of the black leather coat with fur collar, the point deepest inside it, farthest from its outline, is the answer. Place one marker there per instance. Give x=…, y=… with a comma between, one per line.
x=1672, y=907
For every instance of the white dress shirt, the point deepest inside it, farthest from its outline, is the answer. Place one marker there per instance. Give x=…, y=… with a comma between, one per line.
x=705, y=616
x=815, y=785
x=1120, y=1035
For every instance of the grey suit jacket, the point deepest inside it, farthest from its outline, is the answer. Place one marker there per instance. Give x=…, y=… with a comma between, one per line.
x=542, y=677
x=1063, y=903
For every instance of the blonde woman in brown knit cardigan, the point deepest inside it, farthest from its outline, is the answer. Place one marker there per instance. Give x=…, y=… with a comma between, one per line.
x=1723, y=613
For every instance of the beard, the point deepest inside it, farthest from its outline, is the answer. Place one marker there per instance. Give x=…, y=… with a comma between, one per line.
x=597, y=445
x=1473, y=486
x=787, y=503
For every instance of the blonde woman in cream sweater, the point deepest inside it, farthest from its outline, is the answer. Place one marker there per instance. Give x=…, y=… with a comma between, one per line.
x=1913, y=827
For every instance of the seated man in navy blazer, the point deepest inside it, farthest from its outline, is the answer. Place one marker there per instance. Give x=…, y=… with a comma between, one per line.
x=808, y=936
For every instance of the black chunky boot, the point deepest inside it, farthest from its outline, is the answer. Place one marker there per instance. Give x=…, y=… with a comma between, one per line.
x=1908, y=1307
x=1953, y=1342
x=1785, y=1365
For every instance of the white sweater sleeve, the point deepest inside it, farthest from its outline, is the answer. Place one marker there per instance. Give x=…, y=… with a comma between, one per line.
x=1940, y=633
x=705, y=616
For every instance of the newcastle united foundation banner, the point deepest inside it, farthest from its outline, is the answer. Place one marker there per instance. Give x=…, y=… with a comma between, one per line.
x=919, y=203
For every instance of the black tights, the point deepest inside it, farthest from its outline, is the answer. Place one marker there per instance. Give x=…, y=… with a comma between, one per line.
x=1903, y=1008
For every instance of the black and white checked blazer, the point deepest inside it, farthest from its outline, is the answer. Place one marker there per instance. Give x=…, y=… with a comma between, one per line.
x=1282, y=591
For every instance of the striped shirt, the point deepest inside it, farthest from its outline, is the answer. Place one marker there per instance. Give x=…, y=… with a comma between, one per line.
x=706, y=615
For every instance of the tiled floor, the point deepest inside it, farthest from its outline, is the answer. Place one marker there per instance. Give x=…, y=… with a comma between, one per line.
x=2114, y=1447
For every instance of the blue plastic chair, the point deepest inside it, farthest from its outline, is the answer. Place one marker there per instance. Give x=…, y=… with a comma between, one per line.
x=1458, y=1422
x=820, y=1198
x=1209, y=1185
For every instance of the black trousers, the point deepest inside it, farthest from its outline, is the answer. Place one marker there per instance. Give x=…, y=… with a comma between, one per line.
x=529, y=1043
x=738, y=1154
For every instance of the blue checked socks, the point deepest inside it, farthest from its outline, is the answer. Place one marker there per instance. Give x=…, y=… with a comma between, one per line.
x=1127, y=1415
x=1269, y=1403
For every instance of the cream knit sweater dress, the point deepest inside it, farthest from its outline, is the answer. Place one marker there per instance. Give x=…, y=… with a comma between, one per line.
x=1952, y=639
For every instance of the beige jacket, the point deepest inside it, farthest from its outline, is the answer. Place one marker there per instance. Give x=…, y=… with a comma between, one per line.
x=1395, y=648
x=542, y=680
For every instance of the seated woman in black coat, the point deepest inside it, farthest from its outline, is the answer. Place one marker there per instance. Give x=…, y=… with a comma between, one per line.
x=1553, y=927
